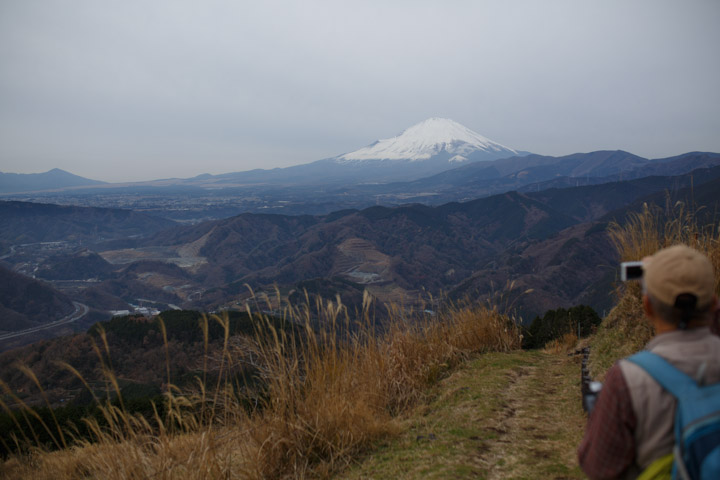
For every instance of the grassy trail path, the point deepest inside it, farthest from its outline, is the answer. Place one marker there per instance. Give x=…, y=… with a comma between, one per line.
x=500, y=416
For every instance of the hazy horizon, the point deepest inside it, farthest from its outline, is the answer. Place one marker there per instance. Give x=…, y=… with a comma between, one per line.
x=147, y=90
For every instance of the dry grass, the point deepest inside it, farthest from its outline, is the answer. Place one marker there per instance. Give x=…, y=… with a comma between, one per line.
x=567, y=342
x=625, y=330
x=499, y=415
x=652, y=229
x=327, y=394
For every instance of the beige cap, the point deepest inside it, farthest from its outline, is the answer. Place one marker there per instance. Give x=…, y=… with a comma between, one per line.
x=677, y=270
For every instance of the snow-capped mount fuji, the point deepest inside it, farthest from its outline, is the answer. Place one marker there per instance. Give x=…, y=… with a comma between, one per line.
x=434, y=138
x=428, y=148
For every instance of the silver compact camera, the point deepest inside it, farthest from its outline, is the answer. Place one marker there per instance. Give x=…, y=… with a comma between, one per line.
x=631, y=271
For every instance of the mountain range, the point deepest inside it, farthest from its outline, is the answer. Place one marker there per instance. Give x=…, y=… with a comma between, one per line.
x=51, y=180
x=395, y=253
x=474, y=228
x=25, y=222
x=552, y=241
x=434, y=162
x=426, y=148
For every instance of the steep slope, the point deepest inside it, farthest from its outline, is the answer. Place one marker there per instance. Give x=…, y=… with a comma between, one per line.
x=575, y=266
x=591, y=202
x=26, y=222
x=579, y=264
x=25, y=302
x=702, y=199
x=79, y=265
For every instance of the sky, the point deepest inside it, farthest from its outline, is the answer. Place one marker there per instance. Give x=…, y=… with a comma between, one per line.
x=130, y=90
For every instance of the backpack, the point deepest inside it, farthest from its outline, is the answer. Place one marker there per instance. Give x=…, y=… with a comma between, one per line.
x=697, y=419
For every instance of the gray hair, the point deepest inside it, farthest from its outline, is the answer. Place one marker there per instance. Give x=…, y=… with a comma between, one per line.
x=675, y=315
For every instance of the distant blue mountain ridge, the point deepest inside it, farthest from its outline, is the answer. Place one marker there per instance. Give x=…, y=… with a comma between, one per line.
x=481, y=177
x=51, y=180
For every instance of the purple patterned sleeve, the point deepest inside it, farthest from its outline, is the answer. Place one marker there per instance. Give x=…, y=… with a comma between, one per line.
x=608, y=447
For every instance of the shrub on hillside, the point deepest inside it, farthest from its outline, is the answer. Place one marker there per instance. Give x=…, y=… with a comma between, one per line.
x=555, y=324
x=181, y=325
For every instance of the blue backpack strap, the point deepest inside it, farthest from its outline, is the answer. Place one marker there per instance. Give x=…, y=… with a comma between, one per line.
x=667, y=375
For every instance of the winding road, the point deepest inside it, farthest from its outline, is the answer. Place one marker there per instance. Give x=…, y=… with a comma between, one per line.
x=80, y=311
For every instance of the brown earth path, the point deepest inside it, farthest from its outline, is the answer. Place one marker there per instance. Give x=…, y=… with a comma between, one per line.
x=500, y=416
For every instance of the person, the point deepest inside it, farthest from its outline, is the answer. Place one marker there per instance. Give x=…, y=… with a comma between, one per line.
x=631, y=426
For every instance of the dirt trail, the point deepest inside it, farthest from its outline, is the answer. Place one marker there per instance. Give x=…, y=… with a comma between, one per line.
x=501, y=416
x=534, y=423
x=507, y=424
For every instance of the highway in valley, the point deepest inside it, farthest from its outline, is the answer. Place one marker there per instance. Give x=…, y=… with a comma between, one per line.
x=80, y=311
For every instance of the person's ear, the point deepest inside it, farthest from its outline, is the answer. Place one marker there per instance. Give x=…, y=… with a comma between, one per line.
x=715, y=317
x=647, y=307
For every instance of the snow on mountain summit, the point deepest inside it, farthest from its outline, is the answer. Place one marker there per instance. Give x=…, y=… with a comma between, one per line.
x=428, y=139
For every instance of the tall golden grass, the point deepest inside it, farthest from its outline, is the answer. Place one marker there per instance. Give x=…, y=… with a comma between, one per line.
x=625, y=330
x=566, y=343
x=330, y=390
x=653, y=228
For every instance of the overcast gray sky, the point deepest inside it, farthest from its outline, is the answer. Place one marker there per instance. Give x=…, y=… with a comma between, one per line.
x=147, y=89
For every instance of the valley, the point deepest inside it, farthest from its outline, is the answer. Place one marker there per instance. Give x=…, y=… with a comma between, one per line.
x=437, y=214
x=551, y=243
x=314, y=240
x=80, y=311
x=192, y=201
x=128, y=275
